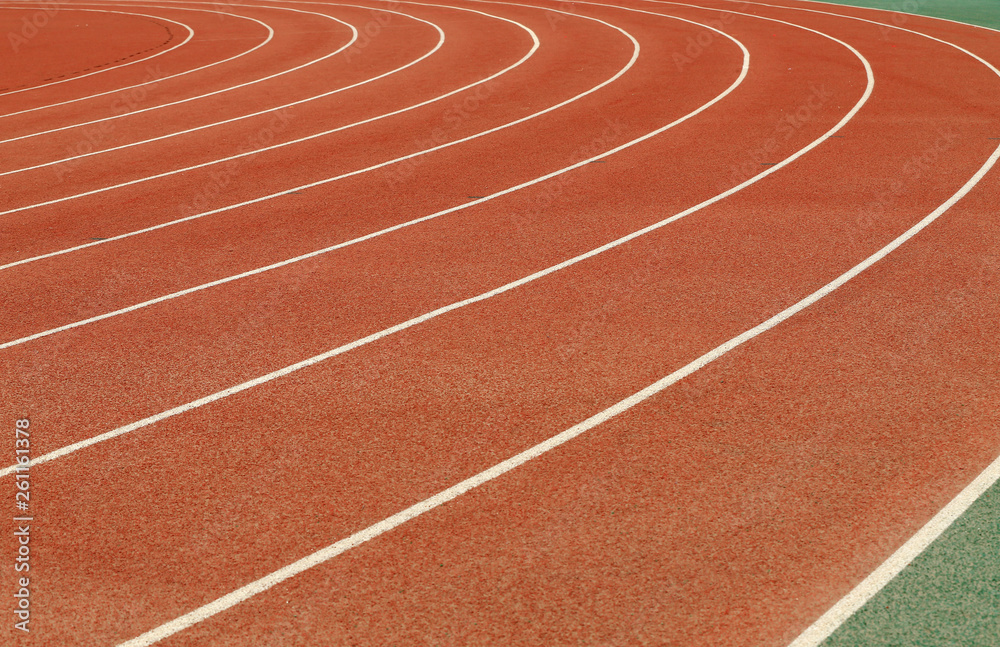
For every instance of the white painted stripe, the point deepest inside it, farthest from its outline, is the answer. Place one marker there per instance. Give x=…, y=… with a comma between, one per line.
x=827, y=3
x=531, y=52
x=440, y=43
x=382, y=232
x=354, y=38
x=510, y=286
x=107, y=69
x=824, y=626
x=383, y=333
x=259, y=586
x=139, y=85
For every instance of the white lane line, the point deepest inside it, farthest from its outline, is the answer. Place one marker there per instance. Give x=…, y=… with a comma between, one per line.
x=353, y=241
x=412, y=322
x=354, y=38
x=326, y=554
x=440, y=43
x=847, y=606
x=107, y=69
x=345, y=348
x=534, y=48
x=510, y=286
x=382, y=232
x=826, y=624
x=827, y=3
x=139, y=85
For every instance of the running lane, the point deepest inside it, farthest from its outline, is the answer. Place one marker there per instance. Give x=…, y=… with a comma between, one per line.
x=300, y=40
x=437, y=404
x=694, y=557
x=39, y=37
x=187, y=42
x=128, y=595
x=720, y=62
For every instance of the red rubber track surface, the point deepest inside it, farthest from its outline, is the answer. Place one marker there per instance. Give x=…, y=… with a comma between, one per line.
x=198, y=51
x=62, y=47
x=733, y=508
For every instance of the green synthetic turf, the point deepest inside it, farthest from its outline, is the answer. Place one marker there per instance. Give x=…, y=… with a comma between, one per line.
x=950, y=595
x=976, y=12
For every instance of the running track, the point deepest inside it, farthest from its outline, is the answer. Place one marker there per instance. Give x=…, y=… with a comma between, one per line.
x=478, y=205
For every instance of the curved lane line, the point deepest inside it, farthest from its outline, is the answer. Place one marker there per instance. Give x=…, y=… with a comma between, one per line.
x=425, y=317
x=139, y=85
x=68, y=449
x=531, y=53
x=856, y=598
x=211, y=398
x=326, y=250
x=325, y=554
x=107, y=69
x=354, y=38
